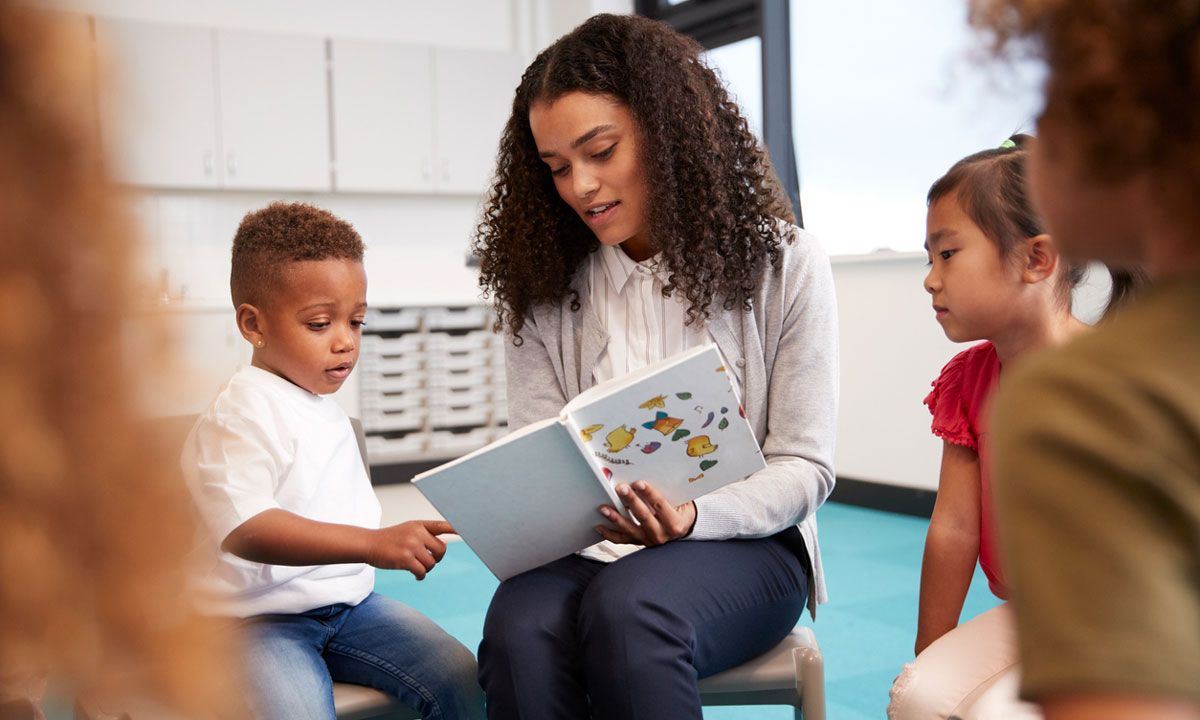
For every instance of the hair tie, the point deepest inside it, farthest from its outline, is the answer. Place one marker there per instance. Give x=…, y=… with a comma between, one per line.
x=1007, y=144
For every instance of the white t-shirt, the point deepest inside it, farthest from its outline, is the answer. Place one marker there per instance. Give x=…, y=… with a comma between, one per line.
x=265, y=443
x=643, y=327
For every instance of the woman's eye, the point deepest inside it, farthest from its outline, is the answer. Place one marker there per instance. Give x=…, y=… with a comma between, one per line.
x=560, y=172
x=605, y=154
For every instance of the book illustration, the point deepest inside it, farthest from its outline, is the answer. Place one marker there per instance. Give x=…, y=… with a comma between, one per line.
x=742, y=410
x=724, y=410
x=705, y=465
x=700, y=445
x=607, y=473
x=663, y=423
x=680, y=434
x=684, y=396
x=711, y=415
x=618, y=439
x=651, y=447
x=721, y=369
x=723, y=424
x=692, y=480
x=586, y=433
x=654, y=402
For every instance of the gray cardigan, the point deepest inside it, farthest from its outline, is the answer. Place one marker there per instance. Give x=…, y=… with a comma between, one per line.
x=784, y=352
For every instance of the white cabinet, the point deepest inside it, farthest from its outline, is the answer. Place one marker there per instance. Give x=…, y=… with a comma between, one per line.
x=382, y=116
x=158, y=116
x=412, y=119
x=473, y=95
x=274, y=111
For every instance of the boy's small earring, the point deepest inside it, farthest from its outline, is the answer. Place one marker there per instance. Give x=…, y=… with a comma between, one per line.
x=259, y=343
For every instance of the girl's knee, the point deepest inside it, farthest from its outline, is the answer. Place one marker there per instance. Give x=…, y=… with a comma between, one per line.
x=914, y=697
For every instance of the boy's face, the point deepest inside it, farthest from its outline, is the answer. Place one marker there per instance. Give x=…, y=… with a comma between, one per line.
x=311, y=325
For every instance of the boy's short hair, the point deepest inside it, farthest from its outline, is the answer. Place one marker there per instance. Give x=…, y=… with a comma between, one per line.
x=281, y=233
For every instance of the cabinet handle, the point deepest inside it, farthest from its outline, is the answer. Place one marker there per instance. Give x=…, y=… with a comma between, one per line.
x=231, y=163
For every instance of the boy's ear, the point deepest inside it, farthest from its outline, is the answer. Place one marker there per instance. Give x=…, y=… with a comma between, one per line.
x=1041, y=259
x=252, y=324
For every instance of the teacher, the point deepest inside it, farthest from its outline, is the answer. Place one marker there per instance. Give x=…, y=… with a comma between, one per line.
x=634, y=216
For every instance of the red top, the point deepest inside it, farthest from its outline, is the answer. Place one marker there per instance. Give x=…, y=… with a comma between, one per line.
x=959, y=405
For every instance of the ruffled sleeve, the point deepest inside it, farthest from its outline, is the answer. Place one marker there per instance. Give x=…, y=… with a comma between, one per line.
x=947, y=404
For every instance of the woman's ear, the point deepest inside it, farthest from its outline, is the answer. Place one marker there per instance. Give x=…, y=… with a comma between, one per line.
x=252, y=324
x=1040, y=258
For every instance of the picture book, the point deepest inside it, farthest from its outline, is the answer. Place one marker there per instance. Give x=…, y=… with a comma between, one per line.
x=533, y=496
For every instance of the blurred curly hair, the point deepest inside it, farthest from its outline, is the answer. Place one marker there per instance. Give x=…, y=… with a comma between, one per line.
x=714, y=198
x=281, y=233
x=1124, y=82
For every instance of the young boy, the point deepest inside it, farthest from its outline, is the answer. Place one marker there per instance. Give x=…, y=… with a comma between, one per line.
x=285, y=501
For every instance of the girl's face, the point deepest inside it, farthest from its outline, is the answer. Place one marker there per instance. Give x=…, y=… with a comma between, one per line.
x=975, y=290
x=590, y=144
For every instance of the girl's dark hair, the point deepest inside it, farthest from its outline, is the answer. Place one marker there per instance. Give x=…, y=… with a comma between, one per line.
x=991, y=190
x=713, y=198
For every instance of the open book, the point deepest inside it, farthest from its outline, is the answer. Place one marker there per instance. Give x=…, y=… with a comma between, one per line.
x=534, y=496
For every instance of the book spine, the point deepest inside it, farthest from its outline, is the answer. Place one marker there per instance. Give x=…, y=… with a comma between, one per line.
x=576, y=434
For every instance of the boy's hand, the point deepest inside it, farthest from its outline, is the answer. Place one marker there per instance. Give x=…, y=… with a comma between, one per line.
x=658, y=521
x=413, y=546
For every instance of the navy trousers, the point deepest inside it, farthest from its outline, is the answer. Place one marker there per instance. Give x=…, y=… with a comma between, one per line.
x=578, y=638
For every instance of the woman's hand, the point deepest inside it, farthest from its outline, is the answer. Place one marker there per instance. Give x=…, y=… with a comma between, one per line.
x=658, y=521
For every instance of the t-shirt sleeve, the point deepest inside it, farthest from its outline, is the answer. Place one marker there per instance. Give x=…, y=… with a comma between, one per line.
x=231, y=466
x=1097, y=523
x=947, y=404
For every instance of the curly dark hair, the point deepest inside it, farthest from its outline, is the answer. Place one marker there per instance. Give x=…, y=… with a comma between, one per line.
x=714, y=198
x=281, y=233
x=1124, y=82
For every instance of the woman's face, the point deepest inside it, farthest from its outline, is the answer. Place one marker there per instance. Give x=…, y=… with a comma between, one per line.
x=590, y=144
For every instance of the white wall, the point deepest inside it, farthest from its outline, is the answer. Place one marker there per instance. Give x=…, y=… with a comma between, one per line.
x=892, y=349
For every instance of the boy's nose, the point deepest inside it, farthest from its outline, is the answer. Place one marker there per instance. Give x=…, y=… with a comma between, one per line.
x=931, y=283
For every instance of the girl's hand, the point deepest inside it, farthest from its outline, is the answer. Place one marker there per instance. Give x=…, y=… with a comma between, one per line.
x=658, y=521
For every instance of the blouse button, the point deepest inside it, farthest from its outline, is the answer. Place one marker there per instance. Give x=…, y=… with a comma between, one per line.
x=741, y=362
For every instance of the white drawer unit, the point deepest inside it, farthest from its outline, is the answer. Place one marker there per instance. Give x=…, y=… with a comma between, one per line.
x=432, y=383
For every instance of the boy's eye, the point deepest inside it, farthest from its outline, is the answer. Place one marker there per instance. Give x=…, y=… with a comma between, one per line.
x=946, y=254
x=318, y=325
x=605, y=154
x=358, y=323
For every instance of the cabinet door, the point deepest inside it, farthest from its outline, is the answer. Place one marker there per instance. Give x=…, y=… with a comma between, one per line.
x=382, y=117
x=473, y=96
x=274, y=111
x=158, y=111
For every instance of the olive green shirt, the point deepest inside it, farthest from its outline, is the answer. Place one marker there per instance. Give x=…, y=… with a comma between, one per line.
x=1097, y=483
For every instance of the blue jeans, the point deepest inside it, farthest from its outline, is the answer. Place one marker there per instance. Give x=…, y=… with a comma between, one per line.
x=292, y=661
x=578, y=638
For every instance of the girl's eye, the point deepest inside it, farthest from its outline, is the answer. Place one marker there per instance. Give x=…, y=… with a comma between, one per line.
x=358, y=323
x=560, y=172
x=318, y=325
x=605, y=154
x=946, y=254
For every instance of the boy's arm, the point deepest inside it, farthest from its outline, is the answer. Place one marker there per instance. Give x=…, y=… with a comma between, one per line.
x=279, y=537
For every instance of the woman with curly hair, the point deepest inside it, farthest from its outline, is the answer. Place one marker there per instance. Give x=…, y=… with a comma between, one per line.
x=635, y=216
x=1097, y=443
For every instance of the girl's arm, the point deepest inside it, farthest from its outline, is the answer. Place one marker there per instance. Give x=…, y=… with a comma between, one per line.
x=951, y=545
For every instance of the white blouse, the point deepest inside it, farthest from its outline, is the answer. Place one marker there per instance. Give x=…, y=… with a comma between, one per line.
x=643, y=327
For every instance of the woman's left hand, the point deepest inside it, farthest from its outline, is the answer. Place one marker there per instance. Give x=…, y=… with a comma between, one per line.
x=658, y=521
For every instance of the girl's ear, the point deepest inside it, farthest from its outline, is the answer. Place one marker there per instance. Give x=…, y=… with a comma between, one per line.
x=1040, y=259
x=252, y=324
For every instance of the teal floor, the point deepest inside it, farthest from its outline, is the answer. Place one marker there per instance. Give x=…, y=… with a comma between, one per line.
x=873, y=569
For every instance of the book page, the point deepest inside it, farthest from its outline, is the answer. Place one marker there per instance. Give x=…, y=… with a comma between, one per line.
x=677, y=424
